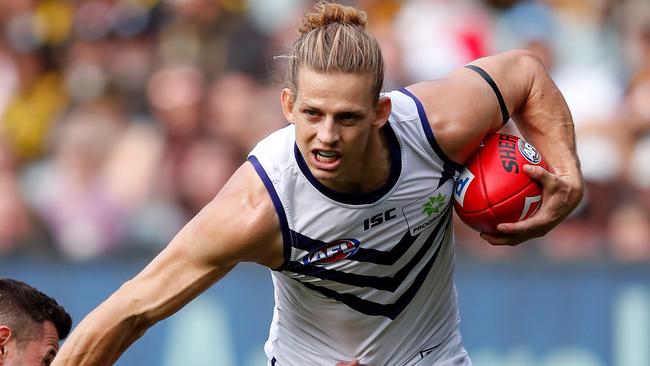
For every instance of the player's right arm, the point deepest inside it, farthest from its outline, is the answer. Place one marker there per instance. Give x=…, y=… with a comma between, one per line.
x=239, y=224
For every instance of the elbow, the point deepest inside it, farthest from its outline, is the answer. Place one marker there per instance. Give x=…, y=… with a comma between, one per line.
x=579, y=189
x=528, y=61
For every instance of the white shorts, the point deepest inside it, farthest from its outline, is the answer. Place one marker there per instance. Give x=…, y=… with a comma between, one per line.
x=449, y=353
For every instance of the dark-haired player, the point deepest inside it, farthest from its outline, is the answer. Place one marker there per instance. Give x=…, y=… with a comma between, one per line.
x=31, y=325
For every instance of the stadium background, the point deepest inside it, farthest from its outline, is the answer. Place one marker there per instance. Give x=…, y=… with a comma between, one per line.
x=119, y=119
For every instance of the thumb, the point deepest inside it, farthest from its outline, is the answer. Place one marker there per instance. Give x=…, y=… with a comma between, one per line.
x=538, y=173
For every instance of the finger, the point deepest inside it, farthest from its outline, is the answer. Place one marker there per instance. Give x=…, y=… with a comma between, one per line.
x=503, y=240
x=530, y=225
x=541, y=175
x=349, y=363
x=551, y=211
x=533, y=227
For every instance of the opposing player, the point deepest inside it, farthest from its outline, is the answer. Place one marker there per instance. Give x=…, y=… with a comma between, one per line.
x=350, y=207
x=31, y=324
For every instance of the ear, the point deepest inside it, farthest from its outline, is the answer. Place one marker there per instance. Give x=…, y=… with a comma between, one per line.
x=5, y=335
x=382, y=110
x=288, y=101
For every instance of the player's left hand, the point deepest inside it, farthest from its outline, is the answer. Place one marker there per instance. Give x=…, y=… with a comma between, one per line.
x=560, y=195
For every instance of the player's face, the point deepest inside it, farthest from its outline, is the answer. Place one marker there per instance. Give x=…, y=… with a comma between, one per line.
x=335, y=117
x=36, y=352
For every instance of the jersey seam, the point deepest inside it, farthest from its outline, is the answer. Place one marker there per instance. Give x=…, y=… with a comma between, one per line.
x=283, y=217
x=428, y=131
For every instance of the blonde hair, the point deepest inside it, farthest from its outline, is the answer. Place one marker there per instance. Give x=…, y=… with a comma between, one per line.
x=334, y=39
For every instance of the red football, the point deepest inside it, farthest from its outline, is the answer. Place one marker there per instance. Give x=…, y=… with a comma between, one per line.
x=493, y=188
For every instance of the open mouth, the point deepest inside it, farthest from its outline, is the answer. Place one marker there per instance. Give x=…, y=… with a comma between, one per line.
x=326, y=159
x=326, y=156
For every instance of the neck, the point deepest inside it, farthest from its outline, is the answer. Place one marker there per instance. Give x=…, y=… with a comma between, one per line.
x=376, y=163
x=373, y=168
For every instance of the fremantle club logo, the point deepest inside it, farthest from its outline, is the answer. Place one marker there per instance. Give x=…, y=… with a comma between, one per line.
x=434, y=205
x=332, y=252
x=529, y=152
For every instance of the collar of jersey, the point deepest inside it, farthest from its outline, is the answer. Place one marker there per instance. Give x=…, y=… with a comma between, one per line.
x=359, y=198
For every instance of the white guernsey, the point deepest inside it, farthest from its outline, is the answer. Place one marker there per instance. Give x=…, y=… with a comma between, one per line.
x=369, y=275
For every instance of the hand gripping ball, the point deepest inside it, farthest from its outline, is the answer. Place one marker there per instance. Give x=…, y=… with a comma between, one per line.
x=493, y=188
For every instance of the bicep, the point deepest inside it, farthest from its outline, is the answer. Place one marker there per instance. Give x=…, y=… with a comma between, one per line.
x=463, y=107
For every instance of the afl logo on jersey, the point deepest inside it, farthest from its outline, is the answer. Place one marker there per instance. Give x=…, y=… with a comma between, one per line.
x=332, y=252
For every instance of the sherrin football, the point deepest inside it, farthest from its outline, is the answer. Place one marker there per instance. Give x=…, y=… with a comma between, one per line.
x=493, y=188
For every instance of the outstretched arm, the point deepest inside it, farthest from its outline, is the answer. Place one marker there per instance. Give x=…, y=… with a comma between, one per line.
x=463, y=109
x=240, y=224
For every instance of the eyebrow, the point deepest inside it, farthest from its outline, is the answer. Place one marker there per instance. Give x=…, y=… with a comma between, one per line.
x=350, y=112
x=309, y=104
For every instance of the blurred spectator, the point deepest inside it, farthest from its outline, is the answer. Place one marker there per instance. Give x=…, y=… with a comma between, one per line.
x=530, y=25
x=205, y=168
x=67, y=189
x=439, y=35
x=242, y=111
x=633, y=20
x=628, y=228
x=636, y=105
x=39, y=99
x=602, y=160
x=628, y=231
x=19, y=230
x=9, y=76
x=132, y=173
x=175, y=96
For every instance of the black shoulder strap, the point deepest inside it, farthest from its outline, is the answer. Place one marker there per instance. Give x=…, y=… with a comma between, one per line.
x=495, y=88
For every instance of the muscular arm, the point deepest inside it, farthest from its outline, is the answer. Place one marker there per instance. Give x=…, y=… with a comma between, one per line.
x=240, y=224
x=463, y=109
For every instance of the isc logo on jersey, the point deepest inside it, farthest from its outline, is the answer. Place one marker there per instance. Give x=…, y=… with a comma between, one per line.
x=332, y=252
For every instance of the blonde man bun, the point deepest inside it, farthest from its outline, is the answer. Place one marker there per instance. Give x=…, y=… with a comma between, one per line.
x=334, y=39
x=327, y=13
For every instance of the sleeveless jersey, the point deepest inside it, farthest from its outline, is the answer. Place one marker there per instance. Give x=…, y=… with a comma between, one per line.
x=365, y=276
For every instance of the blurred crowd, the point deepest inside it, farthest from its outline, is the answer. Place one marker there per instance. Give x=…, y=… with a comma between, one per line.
x=120, y=119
